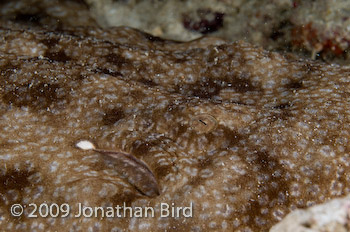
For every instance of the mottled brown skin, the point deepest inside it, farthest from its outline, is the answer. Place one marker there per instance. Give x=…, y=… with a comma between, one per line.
x=273, y=131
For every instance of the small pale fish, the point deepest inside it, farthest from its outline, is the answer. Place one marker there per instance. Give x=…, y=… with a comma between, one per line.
x=136, y=171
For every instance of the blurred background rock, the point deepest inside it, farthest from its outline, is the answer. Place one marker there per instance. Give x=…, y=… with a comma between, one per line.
x=319, y=29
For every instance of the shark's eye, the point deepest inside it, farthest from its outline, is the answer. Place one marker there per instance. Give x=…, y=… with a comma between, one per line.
x=203, y=123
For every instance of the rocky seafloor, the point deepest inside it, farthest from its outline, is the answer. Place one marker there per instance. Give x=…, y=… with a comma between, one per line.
x=228, y=135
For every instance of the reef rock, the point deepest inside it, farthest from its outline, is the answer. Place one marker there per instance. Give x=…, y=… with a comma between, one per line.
x=332, y=216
